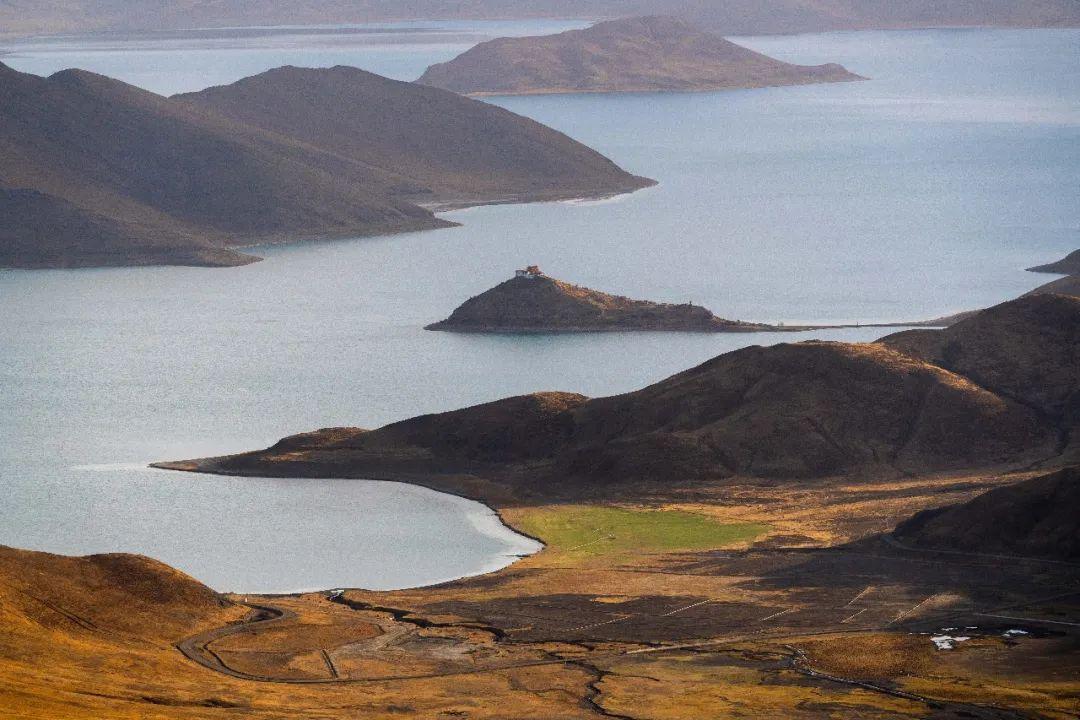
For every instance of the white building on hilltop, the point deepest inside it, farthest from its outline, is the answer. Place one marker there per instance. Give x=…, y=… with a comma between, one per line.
x=531, y=272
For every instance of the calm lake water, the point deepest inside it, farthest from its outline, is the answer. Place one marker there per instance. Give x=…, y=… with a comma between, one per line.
x=923, y=191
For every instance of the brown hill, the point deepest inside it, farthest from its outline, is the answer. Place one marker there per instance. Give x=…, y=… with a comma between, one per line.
x=727, y=16
x=631, y=55
x=135, y=178
x=538, y=303
x=1039, y=517
x=417, y=142
x=805, y=410
x=1068, y=265
x=100, y=594
x=1026, y=349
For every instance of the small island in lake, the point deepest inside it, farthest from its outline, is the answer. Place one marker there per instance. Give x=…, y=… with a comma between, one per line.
x=533, y=302
x=643, y=54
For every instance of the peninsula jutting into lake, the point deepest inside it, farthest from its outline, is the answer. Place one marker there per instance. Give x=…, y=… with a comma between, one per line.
x=533, y=302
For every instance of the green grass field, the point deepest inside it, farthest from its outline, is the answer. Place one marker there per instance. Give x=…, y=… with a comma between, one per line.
x=588, y=530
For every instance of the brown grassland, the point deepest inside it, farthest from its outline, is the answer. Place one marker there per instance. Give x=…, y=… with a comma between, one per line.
x=771, y=601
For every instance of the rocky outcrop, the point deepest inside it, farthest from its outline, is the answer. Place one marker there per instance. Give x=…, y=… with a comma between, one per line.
x=1037, y=517
x=642, y=54
x=534, y=302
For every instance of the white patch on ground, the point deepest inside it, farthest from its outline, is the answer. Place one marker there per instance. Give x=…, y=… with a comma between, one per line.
x=1014, y=633
x=948, y=642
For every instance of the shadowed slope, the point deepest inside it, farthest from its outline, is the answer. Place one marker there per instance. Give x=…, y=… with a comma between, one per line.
x=1027, y=349
x=166, y=173
x=419, y=142
x=631, y=55
x=1038, y=517
x=121, y=176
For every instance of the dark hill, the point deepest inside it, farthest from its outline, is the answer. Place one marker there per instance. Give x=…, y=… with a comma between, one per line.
x=538, y=303
x=1068, y=265
x=632, y=55
x=1026, y=349
x=1037, y=517
x=806, y=410
x=417, y=142
x=130, y=177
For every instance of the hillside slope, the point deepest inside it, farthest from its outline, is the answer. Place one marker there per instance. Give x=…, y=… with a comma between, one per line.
x=121, y=176
x=543, y=304
x=642, y=54
x=1039, y=517
x=1026, y=349
x=810, y=409
x=417, y=142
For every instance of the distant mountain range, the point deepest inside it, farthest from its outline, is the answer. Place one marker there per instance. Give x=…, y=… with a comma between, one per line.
x=643, y=54
x=97, y=172
x=726, y=16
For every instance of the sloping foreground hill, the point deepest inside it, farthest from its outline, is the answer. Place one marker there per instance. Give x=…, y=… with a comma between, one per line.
x=100, y=594
x=428, y=145
x=97, y=172
x=641, y=54
x=1039, y=517
x=538, y=303
x=810, y=409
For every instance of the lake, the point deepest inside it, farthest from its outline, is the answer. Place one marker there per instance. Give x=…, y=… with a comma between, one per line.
x=921, y=192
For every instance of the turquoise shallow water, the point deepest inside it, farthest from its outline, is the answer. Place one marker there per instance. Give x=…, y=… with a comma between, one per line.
x=923, y=191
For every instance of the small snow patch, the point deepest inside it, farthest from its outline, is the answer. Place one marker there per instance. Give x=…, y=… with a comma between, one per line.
x=1014, y=633
x=948, y=642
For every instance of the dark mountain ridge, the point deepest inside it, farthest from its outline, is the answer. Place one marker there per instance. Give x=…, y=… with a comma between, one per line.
x=124, y=176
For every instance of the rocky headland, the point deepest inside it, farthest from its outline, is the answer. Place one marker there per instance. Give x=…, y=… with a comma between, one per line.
x=532, y=302
x=97, y=172
x=643, y=54
x=811, y=409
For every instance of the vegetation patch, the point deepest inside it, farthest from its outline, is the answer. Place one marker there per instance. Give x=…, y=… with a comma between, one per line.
x=585, y=531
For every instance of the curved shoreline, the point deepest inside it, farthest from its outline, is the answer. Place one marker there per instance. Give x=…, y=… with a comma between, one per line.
x=416, y=482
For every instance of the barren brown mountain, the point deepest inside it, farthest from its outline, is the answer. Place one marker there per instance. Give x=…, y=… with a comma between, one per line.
x=653, y=53
x=534, y=302
x=810, y=409
x=1038, y=517
x=726, y=16
x=121, y=176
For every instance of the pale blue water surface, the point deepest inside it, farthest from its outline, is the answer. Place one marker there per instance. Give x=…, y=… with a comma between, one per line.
x=923, y=191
